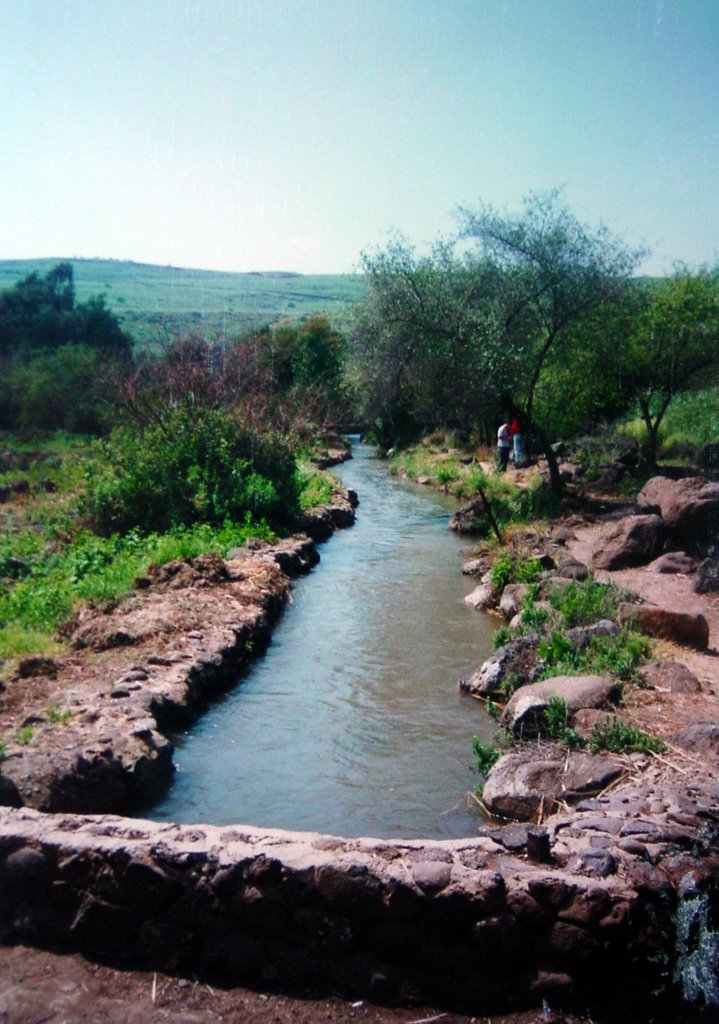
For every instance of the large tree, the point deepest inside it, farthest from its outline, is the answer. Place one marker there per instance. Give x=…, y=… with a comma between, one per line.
x=551, y=272
x=669, y=343
x=418, y=340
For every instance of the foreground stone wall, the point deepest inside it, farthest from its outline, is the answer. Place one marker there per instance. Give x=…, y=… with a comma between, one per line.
x=468, y=923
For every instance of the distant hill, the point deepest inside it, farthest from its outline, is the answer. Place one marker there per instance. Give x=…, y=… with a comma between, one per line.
x=154, y=303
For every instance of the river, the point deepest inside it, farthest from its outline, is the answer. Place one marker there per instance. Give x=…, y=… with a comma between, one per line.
x=351, y=723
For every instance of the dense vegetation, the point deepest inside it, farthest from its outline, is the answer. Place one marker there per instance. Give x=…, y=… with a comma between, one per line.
x=196, y=447
x=532, y=315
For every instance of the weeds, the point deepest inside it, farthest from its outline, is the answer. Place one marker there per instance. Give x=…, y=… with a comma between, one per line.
x=512, y=568
x=619, y=655
x=581, y=604
x=56, y=716
x=25, y=735
x=556, y=719
x=620, y=738
x=486, y=754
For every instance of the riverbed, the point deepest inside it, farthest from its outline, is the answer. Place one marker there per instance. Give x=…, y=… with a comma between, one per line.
x=352, y=723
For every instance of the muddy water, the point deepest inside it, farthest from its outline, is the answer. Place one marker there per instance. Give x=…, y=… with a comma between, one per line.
x=352, y=723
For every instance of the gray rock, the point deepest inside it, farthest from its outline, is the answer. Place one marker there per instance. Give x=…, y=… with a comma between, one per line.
x=691, y=630
x=511, y=600
x=674, y=562
x=689, y=507
x=524, y=714
x=707, y=578
x=484, y=596
x=581, y=636
x=700, y=738
x=570, y=568
x=672, y=676
x=633, y=540
x=518, y=657
x=516, y=787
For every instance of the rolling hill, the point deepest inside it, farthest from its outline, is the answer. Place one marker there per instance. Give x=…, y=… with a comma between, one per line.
x=154, y=303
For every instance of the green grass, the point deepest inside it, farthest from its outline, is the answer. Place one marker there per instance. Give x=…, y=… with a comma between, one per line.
x=618, y=656
x=154, y=302
x=318, y=486
x=620, y=738
x=50, y=564
x=486, y=755
x=513, y=568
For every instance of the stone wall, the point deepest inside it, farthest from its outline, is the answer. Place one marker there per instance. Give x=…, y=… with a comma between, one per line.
x=467, y=923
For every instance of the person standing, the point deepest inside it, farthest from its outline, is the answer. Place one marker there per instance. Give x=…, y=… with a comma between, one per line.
x=517, y=433
x=504, y=446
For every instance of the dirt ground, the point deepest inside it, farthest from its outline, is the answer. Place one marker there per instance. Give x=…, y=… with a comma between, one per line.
x=659, y=712
x=37, y=987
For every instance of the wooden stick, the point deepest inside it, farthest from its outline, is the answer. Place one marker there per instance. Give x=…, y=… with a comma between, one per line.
x=490, y=514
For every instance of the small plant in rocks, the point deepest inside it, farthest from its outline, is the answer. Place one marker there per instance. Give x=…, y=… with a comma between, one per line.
x=621, y=738
x=487, y=755
x=556, y=717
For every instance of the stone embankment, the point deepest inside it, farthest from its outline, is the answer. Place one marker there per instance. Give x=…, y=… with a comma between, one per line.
x=86, y=731
x=620, y=889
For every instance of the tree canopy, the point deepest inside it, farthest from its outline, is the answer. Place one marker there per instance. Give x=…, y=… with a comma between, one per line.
x=41, y=313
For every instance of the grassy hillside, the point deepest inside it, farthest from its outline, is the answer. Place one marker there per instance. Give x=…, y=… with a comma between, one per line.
x=156, y=302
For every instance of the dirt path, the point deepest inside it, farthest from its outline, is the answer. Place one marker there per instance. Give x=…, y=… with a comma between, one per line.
x=655, y=710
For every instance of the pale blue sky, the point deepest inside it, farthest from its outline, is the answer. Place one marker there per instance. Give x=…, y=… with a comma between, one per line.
x=269, y=134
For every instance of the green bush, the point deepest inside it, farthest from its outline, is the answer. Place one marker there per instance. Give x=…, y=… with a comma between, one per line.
x=191, y=470
x=619, y=655
x=581, y=604
x=512, y=568
x=486, y=754
x=620, y=738
x=556, y=718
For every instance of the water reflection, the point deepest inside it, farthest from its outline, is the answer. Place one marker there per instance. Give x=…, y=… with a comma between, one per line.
x=352, y=723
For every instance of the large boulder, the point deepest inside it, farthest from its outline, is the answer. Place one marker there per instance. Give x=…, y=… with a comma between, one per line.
x=707, y=577
x=632, y=540
x=517, y=659
x=517, y=786
x=686, y=628
x=699, y=738
x=671, y=676
x=484, y=596
x=512, y=597
x=673, y=563
x=524, y=714
x=689, y=508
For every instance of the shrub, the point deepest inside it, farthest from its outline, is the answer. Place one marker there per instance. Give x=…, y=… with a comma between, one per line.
x=620, y=738
x=581, y=604
x=487, y=755
x=512, y=568
x=191, y=470
x=501, y=636
x=618, y=655
x=556, y=716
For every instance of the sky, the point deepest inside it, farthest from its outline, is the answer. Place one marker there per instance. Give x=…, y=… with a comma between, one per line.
x=259, y=135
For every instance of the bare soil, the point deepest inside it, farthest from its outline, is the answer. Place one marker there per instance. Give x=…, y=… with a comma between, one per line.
x=37, y=987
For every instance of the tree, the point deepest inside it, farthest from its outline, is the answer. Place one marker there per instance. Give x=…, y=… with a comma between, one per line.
x=551, y=271
x=41, y=313
x=417, y=353
x=671, y=342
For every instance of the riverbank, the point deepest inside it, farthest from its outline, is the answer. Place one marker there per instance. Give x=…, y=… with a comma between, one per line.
x=85, y=731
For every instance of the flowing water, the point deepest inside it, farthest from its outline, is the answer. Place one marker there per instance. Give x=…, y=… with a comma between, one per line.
x=352, y=722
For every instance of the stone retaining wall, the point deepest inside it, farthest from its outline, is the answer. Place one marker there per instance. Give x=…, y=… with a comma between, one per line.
x=472, y=923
